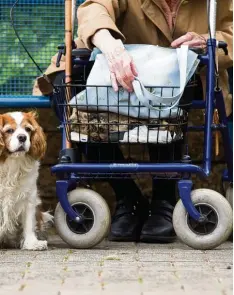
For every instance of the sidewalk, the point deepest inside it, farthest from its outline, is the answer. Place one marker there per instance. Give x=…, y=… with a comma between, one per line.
x=117, y=268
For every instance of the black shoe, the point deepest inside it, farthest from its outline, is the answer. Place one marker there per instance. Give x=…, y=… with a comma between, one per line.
x=128, y=220
x=159, y=227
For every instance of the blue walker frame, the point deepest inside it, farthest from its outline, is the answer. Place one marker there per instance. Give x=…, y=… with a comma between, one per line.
x=214, y=99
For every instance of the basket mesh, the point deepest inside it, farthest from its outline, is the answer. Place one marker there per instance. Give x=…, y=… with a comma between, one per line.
x=99, y=123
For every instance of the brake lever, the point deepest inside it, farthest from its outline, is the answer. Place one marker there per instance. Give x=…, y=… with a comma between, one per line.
x=62, y=51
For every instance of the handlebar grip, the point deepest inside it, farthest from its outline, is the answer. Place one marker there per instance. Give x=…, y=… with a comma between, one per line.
x=59, y=58
x=223, y=45
x=81, y=52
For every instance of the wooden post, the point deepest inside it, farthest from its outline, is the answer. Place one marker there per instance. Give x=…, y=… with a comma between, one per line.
x=68, y=56
x=73, y=18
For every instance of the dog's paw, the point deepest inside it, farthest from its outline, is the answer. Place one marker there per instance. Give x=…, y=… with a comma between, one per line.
x=34, y=245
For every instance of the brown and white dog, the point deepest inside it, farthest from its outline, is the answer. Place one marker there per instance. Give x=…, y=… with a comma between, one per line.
x=22, y=146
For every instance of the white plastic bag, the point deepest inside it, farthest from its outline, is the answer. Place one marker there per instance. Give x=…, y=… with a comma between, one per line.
x=162, y=76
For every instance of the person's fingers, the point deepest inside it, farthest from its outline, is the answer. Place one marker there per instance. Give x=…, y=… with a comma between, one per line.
x=124, y=85
x=122, y=71
x=185, y=38
x=114, y=82
x=134, y=69
x=124, y=75
x=128, y=74
x=195, y=43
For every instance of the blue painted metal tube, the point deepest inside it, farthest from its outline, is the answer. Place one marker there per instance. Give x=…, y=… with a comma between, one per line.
x=128, y=168
x=37, y=2
x=228, y=151
x=210, y=85
x=198, y=104
x=62, y=187
x=185, y=187
x=63, y=138
x=201, y=128
x=24, y=101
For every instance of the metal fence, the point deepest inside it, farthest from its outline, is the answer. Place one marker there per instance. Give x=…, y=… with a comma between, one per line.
x=40, y=24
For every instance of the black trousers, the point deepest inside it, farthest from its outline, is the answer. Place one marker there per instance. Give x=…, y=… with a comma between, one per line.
x=162, y=189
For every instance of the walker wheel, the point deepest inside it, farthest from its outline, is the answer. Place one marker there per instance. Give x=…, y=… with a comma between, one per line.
x=96, y=219
x=229, y=197
x=88, y=219
x=229, y=194
x=209, y=225
x=214, y=230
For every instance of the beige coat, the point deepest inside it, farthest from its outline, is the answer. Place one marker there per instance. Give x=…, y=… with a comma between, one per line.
x=143, y=22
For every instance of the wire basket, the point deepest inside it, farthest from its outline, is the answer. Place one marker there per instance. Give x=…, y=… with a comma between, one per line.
x=113, y=127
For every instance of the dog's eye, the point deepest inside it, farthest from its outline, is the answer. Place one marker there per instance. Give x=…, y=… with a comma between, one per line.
x=10, y=131
x=27, y=129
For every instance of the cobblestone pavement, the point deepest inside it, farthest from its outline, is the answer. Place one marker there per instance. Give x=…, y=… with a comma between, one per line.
x=117, y=268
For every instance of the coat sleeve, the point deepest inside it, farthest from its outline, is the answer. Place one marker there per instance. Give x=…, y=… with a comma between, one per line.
x=94, y=15
x=224, y=32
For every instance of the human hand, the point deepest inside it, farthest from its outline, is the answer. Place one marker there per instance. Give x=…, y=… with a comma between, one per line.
x=122, y=68
x=121, y=65
x=191, y=39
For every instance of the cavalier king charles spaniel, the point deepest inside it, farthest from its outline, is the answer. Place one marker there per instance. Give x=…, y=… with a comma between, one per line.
x=22, y=146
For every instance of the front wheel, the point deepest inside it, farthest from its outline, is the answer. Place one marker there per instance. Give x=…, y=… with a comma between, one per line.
x=229, y=194
x=96, y=219
x=217, y=227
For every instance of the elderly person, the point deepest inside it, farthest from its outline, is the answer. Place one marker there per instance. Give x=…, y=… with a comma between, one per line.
x=107, y=25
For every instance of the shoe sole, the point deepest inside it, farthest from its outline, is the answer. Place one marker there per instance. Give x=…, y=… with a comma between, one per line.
x=156, y=239
x=121, y=239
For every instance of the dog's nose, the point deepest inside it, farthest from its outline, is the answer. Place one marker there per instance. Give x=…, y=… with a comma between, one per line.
x=22, y=138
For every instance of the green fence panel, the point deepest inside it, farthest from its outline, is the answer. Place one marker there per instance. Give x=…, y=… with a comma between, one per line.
x=40, y=24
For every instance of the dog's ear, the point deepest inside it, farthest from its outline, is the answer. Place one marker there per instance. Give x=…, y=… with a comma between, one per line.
x=38, y=138
x=33, y=114
x=2, y=143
